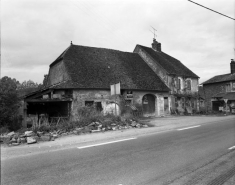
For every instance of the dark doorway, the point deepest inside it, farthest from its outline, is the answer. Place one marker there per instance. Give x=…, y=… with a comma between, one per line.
x=166, y=105
x=216, y=105
x=148, y=103
x=99, y=106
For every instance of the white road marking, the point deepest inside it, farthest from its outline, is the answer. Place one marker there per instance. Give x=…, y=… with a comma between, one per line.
x=105, y=143
x=233, y=147
x=188, y=127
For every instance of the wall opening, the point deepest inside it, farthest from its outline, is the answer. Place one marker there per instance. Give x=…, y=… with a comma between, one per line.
x=148, y=103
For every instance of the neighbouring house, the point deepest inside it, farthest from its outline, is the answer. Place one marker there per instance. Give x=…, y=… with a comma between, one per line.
x=82, y=76
x=220, y=91
x=181, y=81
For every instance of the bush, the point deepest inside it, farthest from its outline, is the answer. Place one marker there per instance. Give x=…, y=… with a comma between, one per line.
x=88, y=114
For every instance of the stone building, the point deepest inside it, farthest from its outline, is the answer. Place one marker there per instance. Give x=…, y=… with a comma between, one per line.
x=219, y=89
x=82, y=76
x=181, y=81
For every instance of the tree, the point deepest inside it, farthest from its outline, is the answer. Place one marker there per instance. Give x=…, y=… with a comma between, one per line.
x=9, y=103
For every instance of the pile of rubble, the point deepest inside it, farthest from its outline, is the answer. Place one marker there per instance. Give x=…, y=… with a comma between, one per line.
x=30, y=137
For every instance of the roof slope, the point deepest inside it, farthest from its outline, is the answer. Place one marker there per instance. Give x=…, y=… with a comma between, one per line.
x=220, y=78
x=170, y=64
x=91, y=67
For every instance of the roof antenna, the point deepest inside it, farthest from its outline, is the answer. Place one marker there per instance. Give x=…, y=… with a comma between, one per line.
x=155, y=35
x=71, y=43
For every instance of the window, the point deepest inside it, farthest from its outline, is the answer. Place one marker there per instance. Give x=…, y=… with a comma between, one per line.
x=233, y=86
x=89, y=103
x=98, y=106
x=129, y=95
x=188, y=84
x=228, y=87
x=179, y=83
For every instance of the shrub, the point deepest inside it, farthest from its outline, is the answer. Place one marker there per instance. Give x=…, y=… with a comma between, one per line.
x=88, y=114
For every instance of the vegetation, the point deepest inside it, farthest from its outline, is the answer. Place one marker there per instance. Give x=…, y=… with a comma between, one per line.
x=9, y=104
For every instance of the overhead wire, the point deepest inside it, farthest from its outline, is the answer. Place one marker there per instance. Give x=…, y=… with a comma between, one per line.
x=211, y=10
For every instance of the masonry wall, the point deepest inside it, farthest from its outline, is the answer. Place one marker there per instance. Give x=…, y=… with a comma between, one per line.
x=211, y=90
x=103, y=96
x=57, y=73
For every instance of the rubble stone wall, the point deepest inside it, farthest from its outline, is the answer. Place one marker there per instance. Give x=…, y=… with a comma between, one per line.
x=103, y=96
x=57, y=73
x=81, y=96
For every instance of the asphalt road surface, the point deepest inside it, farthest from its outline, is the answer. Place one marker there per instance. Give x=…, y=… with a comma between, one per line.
x=159, y=158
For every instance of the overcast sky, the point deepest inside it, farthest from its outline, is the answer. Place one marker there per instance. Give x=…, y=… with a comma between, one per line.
x=34, y=33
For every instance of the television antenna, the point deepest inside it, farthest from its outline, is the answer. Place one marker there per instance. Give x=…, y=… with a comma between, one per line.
x=154, y=34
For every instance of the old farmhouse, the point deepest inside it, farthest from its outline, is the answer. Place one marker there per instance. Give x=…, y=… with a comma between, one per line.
x=82, y=76
x=151, y=82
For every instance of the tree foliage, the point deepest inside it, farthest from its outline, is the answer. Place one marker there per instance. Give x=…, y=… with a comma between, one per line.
x=9, y=102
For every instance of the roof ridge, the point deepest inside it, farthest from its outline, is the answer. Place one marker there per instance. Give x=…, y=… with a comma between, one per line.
x=102, y=48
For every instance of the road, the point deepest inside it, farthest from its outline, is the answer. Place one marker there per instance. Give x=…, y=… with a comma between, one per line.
x=161, y=158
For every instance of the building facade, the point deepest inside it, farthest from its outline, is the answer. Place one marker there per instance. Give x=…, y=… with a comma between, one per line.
x=220, y=91
x=82, y=76
x=181, y=81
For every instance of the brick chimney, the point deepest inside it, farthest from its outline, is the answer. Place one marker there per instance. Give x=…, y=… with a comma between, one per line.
x=156, y=46
x=232, y=65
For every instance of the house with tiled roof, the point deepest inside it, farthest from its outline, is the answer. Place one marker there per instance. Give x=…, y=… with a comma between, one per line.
x=182, y=82
x=82, y=76
x=220, y=91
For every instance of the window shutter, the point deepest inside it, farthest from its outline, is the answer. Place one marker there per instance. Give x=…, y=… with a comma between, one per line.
x=178, y=84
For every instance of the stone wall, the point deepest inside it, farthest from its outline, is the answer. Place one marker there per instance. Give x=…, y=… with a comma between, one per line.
x=57, y=73
x=103, y=96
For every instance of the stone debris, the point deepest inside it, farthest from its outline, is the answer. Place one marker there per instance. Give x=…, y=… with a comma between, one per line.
x=31, y=140
x=31, y=137
x=29, y=133
x=11, y=134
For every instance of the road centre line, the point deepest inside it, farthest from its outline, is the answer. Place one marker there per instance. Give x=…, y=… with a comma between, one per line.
x=88, y=146
x=188, y=127
x=233, y=147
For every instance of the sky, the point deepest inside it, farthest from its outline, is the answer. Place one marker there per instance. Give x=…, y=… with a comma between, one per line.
x=34, y=33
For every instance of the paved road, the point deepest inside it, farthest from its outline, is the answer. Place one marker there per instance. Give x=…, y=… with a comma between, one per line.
x=151, y=159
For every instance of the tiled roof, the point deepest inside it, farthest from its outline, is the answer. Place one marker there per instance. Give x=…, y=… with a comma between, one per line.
x=221, y=78
x=90, y=67
x=170, y=64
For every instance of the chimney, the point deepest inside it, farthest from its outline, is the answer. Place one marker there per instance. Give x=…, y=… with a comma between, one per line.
x=156, y=45
x=232, y=65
